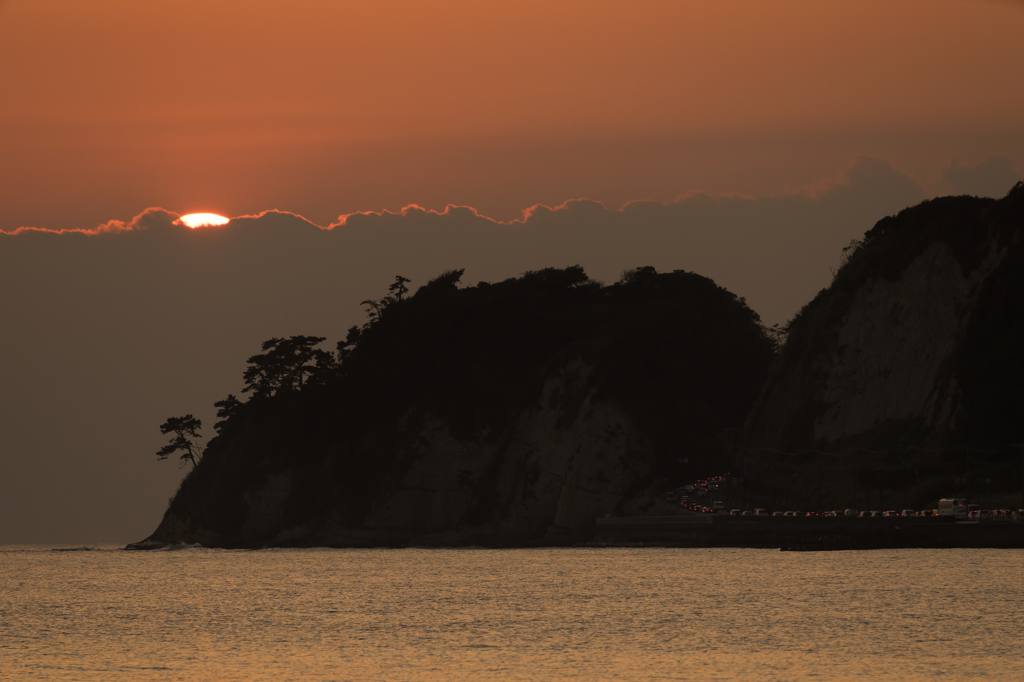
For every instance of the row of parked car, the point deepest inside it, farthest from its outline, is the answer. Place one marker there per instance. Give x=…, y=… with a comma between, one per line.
x=705, y=488
x=985, y=515
x=906, y=513
x=975, y=513
x=996, y=515
x=702, y=497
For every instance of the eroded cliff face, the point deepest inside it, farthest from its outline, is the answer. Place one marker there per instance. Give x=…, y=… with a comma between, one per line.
x=892, y=361
x=564, y=462
x=881, y=358
x=568, y=459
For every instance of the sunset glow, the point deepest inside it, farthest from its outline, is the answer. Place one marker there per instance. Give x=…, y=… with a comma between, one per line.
x=195, y=220
x=350, y=143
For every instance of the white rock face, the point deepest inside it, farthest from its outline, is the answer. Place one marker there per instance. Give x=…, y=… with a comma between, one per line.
x=563, y=472
x=437, y=490
x=894, y=347
x=567, y=460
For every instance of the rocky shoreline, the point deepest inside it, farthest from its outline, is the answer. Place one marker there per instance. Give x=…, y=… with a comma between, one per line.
x=704, y=531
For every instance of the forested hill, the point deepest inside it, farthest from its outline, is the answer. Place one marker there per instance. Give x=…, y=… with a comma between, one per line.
x=506, y=413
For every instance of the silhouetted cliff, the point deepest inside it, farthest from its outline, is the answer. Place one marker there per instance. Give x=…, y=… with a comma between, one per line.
x=908, y=370
x=501, y=414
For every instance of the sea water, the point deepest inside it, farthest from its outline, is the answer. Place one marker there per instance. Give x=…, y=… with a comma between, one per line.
x=525, y=614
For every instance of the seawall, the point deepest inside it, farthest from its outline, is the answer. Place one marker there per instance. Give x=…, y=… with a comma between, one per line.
x=806, y=533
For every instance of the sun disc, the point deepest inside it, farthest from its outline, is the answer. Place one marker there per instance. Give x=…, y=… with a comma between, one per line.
x=195, y=220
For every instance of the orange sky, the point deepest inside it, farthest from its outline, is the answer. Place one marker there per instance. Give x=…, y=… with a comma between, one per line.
x=325, y=108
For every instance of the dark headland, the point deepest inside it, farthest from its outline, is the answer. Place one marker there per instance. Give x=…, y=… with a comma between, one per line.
x=552, y=410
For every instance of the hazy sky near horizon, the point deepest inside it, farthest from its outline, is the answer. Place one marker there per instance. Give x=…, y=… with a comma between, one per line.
x=748, y=141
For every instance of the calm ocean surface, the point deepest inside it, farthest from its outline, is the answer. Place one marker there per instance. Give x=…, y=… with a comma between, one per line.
x=474, y=614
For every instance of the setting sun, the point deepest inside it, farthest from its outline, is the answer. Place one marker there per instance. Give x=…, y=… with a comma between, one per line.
x=195, y=220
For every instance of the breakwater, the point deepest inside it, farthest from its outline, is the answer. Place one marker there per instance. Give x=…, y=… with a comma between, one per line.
x=806, y=533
